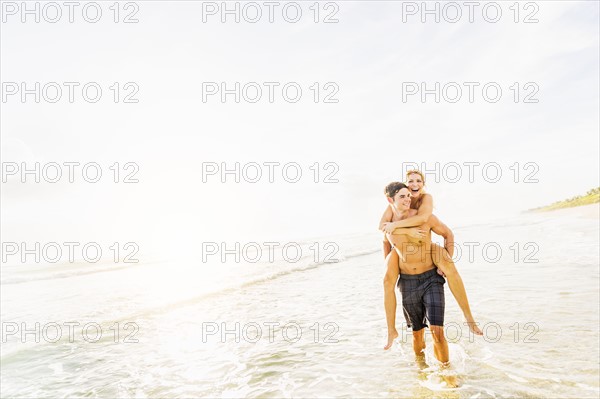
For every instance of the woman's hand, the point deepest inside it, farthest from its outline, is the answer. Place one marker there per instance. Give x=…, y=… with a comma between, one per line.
x=416, y=232
x=389, y=228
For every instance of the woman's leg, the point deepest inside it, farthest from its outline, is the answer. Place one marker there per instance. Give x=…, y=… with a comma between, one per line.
x=444, y=262
x=389, y=295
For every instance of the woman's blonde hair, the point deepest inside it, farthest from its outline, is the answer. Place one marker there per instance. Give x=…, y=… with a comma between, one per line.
x=415, y=172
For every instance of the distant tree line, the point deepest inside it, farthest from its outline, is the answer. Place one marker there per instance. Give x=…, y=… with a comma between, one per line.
x=591, y=197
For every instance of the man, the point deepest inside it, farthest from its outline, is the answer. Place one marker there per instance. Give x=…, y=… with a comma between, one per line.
x=442, y=256
x=421, y=286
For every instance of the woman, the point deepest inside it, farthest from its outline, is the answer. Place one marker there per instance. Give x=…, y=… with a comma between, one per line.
x=423, y=203
x=420, y=201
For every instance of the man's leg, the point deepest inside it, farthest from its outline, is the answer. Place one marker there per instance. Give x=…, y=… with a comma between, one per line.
x=419, y=348
x=419, y=343
x=434, y=302
x=442, y=260
x=440, y=345
x=389, y=296
x=440, y=349
x=435, y=306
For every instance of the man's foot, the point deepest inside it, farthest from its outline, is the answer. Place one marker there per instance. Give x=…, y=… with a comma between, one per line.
x=392, y=335
x=420, y=360
x=451, y=381
x=448, y=376
x=474, y=327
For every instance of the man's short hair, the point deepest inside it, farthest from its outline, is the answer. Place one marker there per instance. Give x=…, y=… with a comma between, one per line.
x=415, y=172
x=392, y=189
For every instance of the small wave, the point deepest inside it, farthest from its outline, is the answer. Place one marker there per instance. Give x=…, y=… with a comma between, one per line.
x=24, y=275
x=225, y=290
x=13, y=353
x=517, y=378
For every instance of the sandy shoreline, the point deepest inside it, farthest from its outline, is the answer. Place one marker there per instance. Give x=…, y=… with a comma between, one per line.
x=591, y=211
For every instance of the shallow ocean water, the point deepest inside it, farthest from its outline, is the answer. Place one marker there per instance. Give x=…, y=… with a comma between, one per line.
x=317, y=330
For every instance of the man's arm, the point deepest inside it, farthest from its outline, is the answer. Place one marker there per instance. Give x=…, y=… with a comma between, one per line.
x=441, y=229
x=386, y=217
x=422, y=216
x=387, y=247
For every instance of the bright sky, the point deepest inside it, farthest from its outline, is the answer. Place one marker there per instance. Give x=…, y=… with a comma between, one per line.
x=366, y=136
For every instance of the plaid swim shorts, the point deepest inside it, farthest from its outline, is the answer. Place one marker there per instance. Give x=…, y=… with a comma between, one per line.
x=423, y=298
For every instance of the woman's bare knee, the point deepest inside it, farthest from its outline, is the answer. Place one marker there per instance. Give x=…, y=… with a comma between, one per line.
x=439, y=254
x=448, y=267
